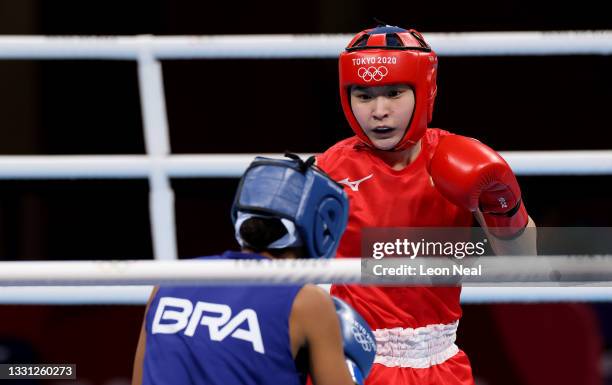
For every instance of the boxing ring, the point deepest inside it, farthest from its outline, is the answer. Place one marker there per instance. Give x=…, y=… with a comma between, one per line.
x=158, y=165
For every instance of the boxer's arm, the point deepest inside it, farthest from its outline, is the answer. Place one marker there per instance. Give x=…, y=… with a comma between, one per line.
x=139, y=358
x=524, y=244
x=140, y=348
x=315, y=316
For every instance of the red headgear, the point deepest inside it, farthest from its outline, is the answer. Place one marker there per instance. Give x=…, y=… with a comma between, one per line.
x=391, y=55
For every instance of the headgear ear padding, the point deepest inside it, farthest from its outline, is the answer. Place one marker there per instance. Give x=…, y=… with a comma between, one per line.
x=300, y=192
x=327, y=225
x=390, y=55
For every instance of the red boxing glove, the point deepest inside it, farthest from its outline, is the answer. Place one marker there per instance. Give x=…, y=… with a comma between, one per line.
x=473, y=176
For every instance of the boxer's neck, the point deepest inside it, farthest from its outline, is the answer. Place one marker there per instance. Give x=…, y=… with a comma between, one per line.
x=398, y=160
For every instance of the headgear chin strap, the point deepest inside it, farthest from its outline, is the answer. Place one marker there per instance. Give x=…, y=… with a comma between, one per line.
x=300, y=193
x=389, y=55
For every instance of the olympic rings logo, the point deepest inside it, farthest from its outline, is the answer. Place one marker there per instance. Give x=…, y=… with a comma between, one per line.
x=372, y=73
x=362, y=338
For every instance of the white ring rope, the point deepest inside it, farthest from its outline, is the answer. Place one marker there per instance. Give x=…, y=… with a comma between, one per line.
x=32, y=273
x=138, y=295
x=508, y=271
x=596, y=162
x=296, y=46
x=90, y=276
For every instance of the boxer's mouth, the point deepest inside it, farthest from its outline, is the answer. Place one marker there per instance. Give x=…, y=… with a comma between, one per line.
x=382, y=130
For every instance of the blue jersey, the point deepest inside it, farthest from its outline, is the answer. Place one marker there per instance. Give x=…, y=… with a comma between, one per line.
x=220, y=334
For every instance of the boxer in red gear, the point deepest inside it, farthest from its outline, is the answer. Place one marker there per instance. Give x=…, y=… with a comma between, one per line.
x=387, y=89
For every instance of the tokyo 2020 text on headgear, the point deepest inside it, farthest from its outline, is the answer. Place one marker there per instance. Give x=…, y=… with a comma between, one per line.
x=296, y=190
x=388, y=55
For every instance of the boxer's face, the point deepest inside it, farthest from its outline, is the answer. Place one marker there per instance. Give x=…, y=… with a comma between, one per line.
x=383, y=112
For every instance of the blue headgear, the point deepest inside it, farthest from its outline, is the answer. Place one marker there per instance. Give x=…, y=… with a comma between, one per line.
x=297, y=191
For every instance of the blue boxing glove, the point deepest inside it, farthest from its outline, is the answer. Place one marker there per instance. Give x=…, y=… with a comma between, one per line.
x=358, y=340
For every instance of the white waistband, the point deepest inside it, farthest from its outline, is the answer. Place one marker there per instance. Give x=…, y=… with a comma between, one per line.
x=416, y=348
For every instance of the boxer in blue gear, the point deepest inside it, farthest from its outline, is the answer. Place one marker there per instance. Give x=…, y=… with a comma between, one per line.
x=262, y=334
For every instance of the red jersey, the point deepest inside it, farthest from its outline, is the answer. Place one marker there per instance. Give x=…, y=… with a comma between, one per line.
x=382, y=197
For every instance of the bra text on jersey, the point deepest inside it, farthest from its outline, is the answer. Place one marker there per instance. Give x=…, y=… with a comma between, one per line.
x=180, y=313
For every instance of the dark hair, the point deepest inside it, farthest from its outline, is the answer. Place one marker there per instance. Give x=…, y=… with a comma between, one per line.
x=259, y=232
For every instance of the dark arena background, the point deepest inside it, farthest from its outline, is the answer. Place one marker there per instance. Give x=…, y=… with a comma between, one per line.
x=92, y=107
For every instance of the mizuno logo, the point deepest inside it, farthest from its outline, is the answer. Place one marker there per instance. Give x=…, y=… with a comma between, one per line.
x=179, y=314
x=354, y=185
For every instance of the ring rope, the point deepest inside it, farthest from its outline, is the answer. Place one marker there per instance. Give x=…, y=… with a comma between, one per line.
x=494, y=271
x=595, y=162
x=295, y=46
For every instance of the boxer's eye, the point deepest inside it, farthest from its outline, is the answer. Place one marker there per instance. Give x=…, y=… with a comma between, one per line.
x=362, y=96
